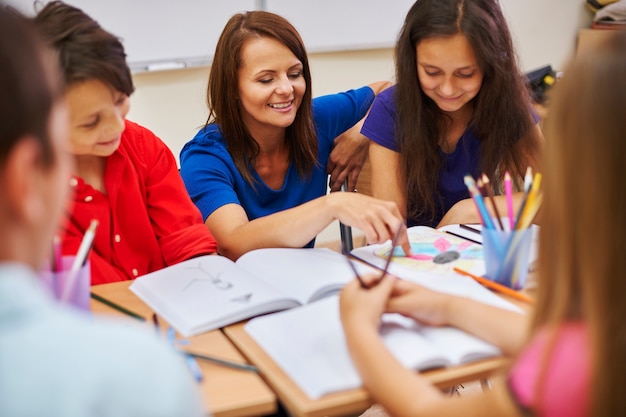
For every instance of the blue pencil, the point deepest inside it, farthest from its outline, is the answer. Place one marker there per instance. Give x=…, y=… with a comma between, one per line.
x=480, y=202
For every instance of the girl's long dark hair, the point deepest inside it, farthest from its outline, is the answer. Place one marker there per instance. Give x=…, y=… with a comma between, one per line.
x=502, y=116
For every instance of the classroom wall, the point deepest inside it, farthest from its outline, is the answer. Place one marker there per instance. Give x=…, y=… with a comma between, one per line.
x=172, y=103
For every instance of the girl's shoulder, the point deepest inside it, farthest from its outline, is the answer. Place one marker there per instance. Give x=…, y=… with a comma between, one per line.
x=558, y=362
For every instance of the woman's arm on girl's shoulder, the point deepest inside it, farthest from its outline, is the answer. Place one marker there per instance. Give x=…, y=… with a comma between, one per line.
x=350, y=150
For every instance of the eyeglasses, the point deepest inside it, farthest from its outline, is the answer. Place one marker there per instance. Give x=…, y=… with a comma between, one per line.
x=364, y=285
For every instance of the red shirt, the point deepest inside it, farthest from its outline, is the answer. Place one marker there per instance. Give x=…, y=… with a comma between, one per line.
x=147, y=219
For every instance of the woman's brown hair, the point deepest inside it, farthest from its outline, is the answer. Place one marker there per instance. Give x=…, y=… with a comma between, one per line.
x=502, y=117
x=222, y=92
x=582, y=267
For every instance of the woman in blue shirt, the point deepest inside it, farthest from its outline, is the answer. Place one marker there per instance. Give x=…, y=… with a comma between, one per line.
x=258, y=169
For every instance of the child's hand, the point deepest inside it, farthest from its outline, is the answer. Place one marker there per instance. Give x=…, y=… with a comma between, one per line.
x=423, y=305
x=362, y=307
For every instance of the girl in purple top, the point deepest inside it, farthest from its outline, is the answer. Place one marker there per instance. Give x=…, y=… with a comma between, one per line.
x=460, y=107
x=570, y=351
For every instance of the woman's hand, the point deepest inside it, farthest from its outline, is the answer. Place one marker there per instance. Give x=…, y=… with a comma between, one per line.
x=379, y=220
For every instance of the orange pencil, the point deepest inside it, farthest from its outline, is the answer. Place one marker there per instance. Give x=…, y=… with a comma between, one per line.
x=495, y=286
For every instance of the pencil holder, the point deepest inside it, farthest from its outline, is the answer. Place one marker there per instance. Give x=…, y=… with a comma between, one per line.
x=57, y=283
x=507, y=256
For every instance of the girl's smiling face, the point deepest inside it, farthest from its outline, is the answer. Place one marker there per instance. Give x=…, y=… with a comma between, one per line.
x=448, y=71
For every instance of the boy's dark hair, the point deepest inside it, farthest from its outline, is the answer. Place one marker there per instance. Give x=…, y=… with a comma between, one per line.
x=86, y=51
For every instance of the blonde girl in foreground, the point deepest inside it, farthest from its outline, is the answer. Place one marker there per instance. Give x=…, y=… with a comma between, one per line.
x=569, y=353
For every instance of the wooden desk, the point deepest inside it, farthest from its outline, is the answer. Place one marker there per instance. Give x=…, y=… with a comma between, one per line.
x=227, y=392
x=349, y=401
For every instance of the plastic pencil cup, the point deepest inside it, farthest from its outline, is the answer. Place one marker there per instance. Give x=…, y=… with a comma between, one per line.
x=57, y=283
x=507, y=256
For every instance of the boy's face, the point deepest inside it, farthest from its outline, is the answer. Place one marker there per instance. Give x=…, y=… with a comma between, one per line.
x=97, y=115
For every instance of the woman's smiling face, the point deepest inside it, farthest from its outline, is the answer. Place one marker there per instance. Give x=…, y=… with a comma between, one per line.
x=271, y=85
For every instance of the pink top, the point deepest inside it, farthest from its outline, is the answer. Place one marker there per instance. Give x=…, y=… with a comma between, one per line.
x=566, y=383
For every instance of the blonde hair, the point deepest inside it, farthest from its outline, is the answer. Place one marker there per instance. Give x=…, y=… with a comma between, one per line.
x=582, y=265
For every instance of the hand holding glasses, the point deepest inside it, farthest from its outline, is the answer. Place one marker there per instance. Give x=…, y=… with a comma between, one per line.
x=364, y=285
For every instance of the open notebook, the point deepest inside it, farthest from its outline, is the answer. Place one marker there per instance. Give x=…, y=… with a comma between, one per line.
x=209, y=292
x=308, y=344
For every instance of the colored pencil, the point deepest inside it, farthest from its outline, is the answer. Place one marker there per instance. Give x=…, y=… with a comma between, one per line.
x=480, y=203
x=489, y=192
x=528, y=179
x=222, y=362
x=528, y=201
x=508, y=190
x=495, y=286
x=117, y=307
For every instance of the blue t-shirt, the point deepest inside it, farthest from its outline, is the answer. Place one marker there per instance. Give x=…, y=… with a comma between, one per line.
x=380, y=126
x=212, y=179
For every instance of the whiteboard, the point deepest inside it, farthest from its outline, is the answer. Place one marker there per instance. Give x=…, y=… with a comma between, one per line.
x=341, y=25
x=166, y=34
x=160, y=34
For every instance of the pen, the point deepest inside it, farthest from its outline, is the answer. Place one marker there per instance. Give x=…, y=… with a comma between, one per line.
x=495, y=286
x=345, y=247
x=117, y=307
x=81, y=257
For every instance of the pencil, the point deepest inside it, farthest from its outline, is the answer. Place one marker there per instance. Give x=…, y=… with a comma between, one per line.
x=529, y=202
x=528, y=179
x=495, y=286
x=117, y=307
x=508, y=190
x=489, y=190
x=463, y=237
x=480, y=203
x=218, y=361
